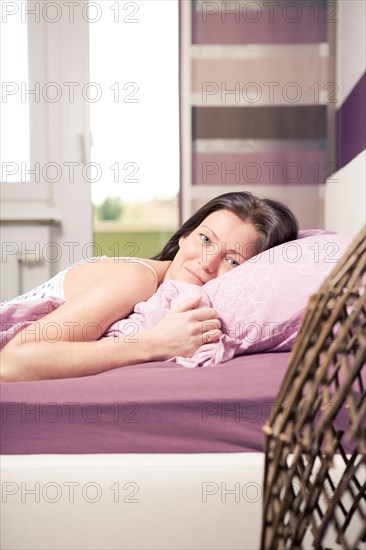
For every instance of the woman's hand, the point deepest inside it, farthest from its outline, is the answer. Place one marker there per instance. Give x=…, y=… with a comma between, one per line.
x=184, y=329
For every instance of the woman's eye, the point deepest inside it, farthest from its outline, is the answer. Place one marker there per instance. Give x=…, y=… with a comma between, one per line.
x=232, y=262
x=204, y=238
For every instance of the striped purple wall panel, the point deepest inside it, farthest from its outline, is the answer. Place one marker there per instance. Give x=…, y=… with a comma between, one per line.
x=278, y=168
x=351, y=124
x=231, y=45
x=297, y=122
x=262, y=25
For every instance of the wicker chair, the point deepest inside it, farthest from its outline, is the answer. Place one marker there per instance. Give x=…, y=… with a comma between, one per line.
x=305, y=505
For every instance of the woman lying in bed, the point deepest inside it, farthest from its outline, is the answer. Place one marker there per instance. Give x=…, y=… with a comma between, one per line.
x=221, y=235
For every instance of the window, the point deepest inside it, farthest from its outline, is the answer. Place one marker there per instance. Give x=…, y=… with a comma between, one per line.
x=135, y=126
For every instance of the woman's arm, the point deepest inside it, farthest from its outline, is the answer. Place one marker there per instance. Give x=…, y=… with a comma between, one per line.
x=44, y=360
x=181, y=332
x=64, y=343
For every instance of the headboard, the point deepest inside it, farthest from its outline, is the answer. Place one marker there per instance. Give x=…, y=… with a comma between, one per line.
x=345, y=197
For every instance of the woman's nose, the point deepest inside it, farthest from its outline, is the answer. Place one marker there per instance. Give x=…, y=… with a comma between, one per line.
x=211, y=262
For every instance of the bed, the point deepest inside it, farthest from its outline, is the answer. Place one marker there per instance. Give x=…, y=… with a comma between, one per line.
x=147, y=456
x=167, y=458
x=150, y=456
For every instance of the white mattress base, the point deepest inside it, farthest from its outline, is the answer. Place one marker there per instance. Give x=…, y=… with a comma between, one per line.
x=136, y=501
x=132, y=501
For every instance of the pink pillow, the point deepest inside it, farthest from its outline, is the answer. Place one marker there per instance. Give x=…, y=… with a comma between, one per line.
x=262, y=302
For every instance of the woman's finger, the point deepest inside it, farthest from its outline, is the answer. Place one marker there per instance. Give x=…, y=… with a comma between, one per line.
x=211, y=336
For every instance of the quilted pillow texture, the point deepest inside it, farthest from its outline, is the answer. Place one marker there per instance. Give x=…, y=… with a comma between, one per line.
x=262, y=302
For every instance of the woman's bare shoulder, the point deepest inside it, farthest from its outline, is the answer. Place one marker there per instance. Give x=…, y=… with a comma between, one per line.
x=116, y=273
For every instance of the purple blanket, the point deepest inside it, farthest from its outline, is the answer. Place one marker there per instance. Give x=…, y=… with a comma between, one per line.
x=16, y=317
x=147, y=408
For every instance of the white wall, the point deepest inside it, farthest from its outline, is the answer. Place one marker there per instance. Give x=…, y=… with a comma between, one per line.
x=345, y=198
x=351, y=45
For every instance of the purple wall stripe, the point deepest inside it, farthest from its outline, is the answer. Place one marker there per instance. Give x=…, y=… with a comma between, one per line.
x=292, y=167
x=262, y=25
x=298, y=122
x=351, y=124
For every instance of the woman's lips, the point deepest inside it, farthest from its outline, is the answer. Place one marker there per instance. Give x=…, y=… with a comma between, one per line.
x=196, y=277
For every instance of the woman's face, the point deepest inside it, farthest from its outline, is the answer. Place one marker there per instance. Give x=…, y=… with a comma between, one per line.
x=219, y=244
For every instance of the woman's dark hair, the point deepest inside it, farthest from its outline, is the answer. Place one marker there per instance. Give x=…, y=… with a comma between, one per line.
x=274, y=223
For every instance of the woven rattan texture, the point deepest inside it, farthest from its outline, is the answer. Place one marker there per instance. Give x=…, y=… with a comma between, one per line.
x=306, y=503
